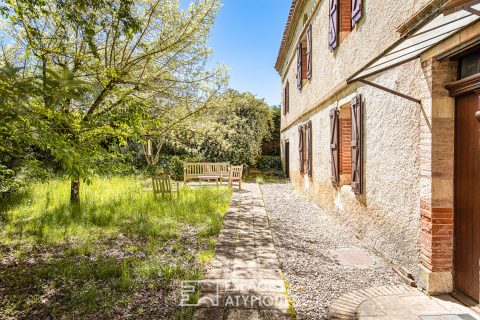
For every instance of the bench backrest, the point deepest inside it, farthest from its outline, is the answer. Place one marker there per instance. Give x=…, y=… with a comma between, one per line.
x=162, y=183
x=205, y=168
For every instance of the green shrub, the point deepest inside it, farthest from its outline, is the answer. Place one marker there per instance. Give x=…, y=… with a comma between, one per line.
x=269, y=163
x=172, y=165
x=175, y=167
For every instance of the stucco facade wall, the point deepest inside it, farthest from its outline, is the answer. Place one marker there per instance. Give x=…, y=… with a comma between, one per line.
x=386, y=216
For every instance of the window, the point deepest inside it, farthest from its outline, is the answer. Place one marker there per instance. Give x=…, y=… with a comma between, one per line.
x=343, y=15
x=286, y=98
x=469, y=65
x=345, y=153
x=345, y=18
x=305, y=148
x=346, y=143
x=304, y=59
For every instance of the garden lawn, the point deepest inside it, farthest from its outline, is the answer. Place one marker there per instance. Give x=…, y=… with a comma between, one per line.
x=120, y=254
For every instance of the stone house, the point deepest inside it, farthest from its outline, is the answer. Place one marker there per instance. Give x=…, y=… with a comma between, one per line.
x=380, y=126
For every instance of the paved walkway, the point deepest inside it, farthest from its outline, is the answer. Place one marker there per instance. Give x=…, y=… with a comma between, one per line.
x=244, y=280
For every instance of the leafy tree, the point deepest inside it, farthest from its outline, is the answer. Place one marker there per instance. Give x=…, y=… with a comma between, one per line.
x=231, y=129
x=107, y=70
x=271, y=145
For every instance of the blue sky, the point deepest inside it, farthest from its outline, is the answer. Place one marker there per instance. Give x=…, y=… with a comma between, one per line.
x=246, y=37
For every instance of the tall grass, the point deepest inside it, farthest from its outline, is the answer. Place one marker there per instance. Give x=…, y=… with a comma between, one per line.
x=111, y=206
x=120, y=246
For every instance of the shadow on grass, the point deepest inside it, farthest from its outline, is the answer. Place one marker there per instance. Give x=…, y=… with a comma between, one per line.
x=56, y=281
x=49, y=289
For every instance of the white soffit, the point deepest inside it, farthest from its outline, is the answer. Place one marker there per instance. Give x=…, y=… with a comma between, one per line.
x=440, y=28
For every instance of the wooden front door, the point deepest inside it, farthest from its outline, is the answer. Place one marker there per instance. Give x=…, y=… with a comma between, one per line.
x=287, y=159
x=467, y=195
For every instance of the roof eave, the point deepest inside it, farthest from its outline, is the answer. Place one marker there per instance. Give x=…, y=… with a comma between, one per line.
x=287, y=34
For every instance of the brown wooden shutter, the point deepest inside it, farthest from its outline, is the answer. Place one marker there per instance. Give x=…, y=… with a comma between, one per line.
x=287, y=97
x=357, y=145
x=333, y=25
x=299, y=66
x=357, y=11
x=309, y=52
x=310, y=151
x=285, y=100
x=334, y=146
x=300, y=148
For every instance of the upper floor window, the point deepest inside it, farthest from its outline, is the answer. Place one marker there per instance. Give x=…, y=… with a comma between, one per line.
x=343, y=15
x=304, y=59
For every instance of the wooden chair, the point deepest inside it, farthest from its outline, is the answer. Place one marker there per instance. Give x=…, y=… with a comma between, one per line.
x=236, y=173
x=162, y=184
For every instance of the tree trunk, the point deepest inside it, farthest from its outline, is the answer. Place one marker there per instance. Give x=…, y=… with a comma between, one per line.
x=75, y=191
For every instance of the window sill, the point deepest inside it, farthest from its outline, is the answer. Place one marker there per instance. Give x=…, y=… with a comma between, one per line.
x=305, y=83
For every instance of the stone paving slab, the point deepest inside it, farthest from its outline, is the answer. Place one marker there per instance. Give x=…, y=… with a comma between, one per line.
x=244, y=280
x=396, y=302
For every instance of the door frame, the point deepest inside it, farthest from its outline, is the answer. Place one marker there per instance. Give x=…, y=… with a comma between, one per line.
x=466, y=86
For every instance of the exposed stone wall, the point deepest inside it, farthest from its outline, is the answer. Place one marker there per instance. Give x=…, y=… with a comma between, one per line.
x=436, y=188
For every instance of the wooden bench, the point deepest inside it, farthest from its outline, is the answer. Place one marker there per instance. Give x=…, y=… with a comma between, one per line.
x=162, y=184
x=206, y=171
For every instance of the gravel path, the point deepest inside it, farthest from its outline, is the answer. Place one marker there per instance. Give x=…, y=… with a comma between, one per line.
x=306, y=238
